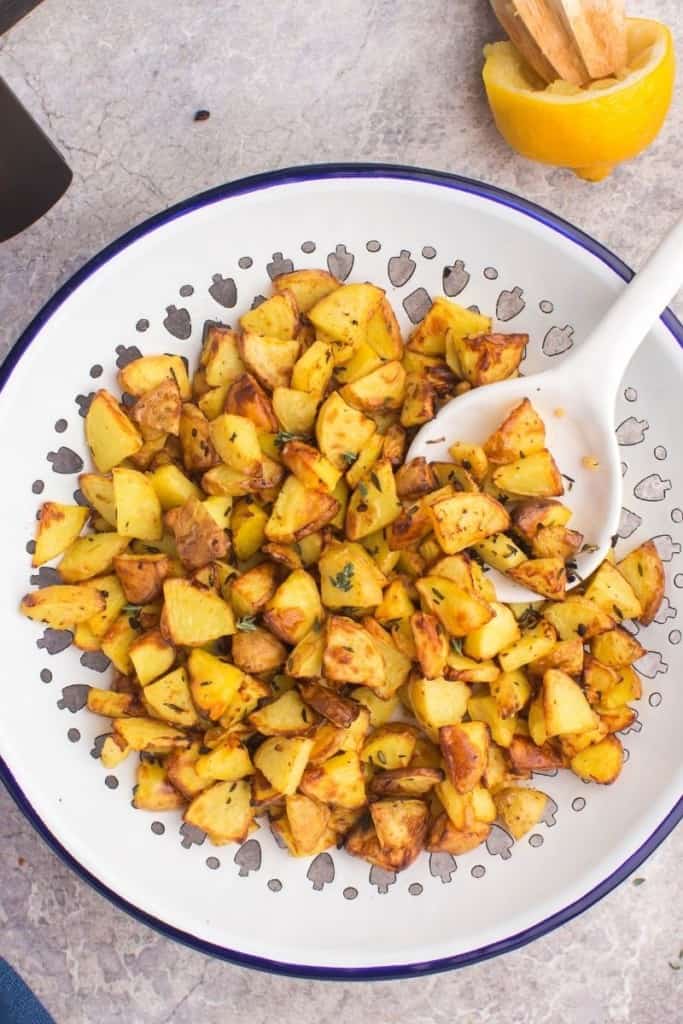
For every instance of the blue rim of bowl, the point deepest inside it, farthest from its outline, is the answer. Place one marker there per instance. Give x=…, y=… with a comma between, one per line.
x=255, y=183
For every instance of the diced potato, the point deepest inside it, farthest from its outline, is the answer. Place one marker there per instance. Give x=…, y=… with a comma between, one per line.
x=343, y=317
x=150, y=736
x=172, y=487
x=546, y=576
x=566, y=655
x=270, y=359
x=138, y=509
x=285, y=716
x=535, y=514
x=110, y=434
x=298, y=511
x=227, y=762
x=534, y=643
x=199, y=539
x=612, y=592
x=465, y=749
x=500, y=552
x=312, y=469
x=257, y=650
x=465, y=519
x=644, y=571
x=142, y=576
x=151, y=656
x=277, y=317
x=283, y=760
x=91, y=556
x=114, y=600
x=458, y=476
x=389, y=746
x=338, y=781
x=309, y=822
x=485, y=709
x=146, y=373
x=616, y=648
x=246, y=398
x=601, y=762
x=565, y=707
x=378, y=391
x=471, y=457
x=470, y=671
x=62, y=606
x=220, y=356
x=213, y=683
x=419, y=405
x=444, y=837
x=495, y=635
x=512, y=691
x=520, y=809
x=153, y=789
x=534, y=476
x=169, y=698
x=313, y=370
x=294, y=608
x=403, y=782
x=431, y=644
x=383, y=332
x=351, y=655
x=342, y=431
x=374, y=504
x=236, y=441
x=381, y=711
x=98, y=491
x=193, y=616
x=251, y=691
x=437, y=702
x=349, y=577
x=396, y=663
x=223, y=811
x=248, y=525
x=460, y=613
x=58, y=527
x=401, y=828
x=114, y=751
x=307, y=286
x=157, y=412
x=556, y=542
x=429, y=337
x=627, y=687
x=521, y=433
x=526, y=756
x=117, y=641
x=109, y=702
x=578, y=616
x=180, y=768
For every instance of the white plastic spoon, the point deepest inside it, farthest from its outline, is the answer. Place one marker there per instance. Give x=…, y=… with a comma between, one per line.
x=576, y=400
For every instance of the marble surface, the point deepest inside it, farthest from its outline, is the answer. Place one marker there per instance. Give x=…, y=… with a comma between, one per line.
x=116, y=86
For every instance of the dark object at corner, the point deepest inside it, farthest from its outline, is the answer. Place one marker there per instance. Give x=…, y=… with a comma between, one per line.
x=12, y=11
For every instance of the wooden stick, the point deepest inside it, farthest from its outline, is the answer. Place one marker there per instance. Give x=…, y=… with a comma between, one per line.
x=540, y=34
x=598, y=31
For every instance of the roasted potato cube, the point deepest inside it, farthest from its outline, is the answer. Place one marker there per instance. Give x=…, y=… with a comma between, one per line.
x=277, y=317
x=247, y=525
x=58, y=527
x=180, y=768
x=626, y=688
x=471, y=457
x=313, y=370
x=389, y=746
x=199, y=453
x=236, y=441
x=312, y=469
x=437, y=702
x=246, y=398
x=270, y=359
x=252, y=591
x=529, y=517
x=169, y=699
x=109, y=703
x=379, y=391
x=338, y=781
x=512, y=691
x=114, y=601
x=257, y=650
x=467, y=670
x=309, y=823
x=349, y=577
x=117, y=641
x=380, y=710
x=342, y=431
x=565, y=707
x=486, y=358
x=91, y=556
x=612, y=592
x=520, y=809
x=546, y=576
x=534, y=643
x=351, y=655
x=214, y=683
x=376, y=545
x=486, y=709
x=343, y=317
x=298, y=511
x=151, y=655
x=556, y=542
x=153, y=789
x=419, y=404
x=429, y=337
x=414, y=479
x=220, y=358
x=306, y=660
x=150, y=736
x=457, y=476
x=193, y=616
x=598, y=678
x=157, y=412
x=285, y=716
x=465, y=519
x=444, y=837
x=283, y=760
x=364, y=463
x=172, y=487
x=138, y=510
x=339, y=710
x=521, y=433
x=616, y=647
x=114, y=751
x=223, y=811
x=644, y=571
x=199, y=540
x=459, y=612
x=142, y=576
x=601, y=762
x=227, y=762
x=578, y=615
x=62, y=606
x=431, y=644
x=465, y=748
x=396, y=663
x=146, y=373
x=227, y=481
x=110, y=434
x=98, y=491
x=495, y=635
x=404, y=782
x=374, y=504
x=526, y=756
x=295, y=410
x=251, y=691
x=464, y=809
x=383, y=332
x=500, y=552
x=401, y=828
x=535, y=476
x=566, y=655
x=307, y=286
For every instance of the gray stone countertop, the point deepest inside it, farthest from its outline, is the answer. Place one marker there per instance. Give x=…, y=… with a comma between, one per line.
x=116, y=85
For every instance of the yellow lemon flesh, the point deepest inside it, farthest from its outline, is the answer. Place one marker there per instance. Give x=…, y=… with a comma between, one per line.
x=588, y=129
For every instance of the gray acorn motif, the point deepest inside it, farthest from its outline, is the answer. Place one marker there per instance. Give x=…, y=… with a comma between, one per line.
x=632, y=431
x=454, y=279
x=635, y=726
x=549, y=817
x=191, y=836
x=666, y=546
x=382, y=879
x=652, y=664
x=628, y=523
x=666, y=612
x=54, y=641
x=417, y=305
x=126, y=354
x=652, y=488
x=558, y=340
x=223, y=291
x=401, y=268
x=95, y=661
x=499, y=843
x=64, y=460
x=321, y=871
x=248, y=857
x=83, y=402
x=340, y=262
x=510, y=303
x=279, y=266
x=178, y=323
x=443, y=866
x=97, y=745
x=74, y=698
x=45, y=577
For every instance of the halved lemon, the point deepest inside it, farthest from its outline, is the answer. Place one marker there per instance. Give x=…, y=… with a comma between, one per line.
x=589, y=129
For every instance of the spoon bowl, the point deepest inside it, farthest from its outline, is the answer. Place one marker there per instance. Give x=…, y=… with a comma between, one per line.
x=576, y=402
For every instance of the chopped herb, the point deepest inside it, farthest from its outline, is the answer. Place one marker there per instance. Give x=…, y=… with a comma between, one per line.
x=673, y=966
x=173, y=707
x=456, y=645
x=581, y=629
x=375, y=482
x=131, y=608
x=283, y=437
x=570, y=480
x=588, y=549
x=304, y=714
x=640, y=569
x=614, y=540
x=438, y=594
x=436, y=440
x=638, y=881
x=233, y=436
x=343, y=580
x=317, y=625
x=363, y=489
x=571, y=564
x=529, y=618
x=617, y=611
x=466, y=464
x=381, y=757
x=247, y=624
x=349, y=457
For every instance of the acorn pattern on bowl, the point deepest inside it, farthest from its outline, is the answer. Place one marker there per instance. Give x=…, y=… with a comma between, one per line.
x=259, y=860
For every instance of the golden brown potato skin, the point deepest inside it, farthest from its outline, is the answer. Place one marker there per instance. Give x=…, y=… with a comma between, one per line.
x=142, y=576
x=258, y=651
x=444, y=837
x=198, y=451
x=246, y=397
x=527, y=757
x=337, y=709
x=414, y=479
x=198, y=537
x=157, y=412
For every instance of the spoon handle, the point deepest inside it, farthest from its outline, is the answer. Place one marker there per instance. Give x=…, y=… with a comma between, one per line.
x=609, y=348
